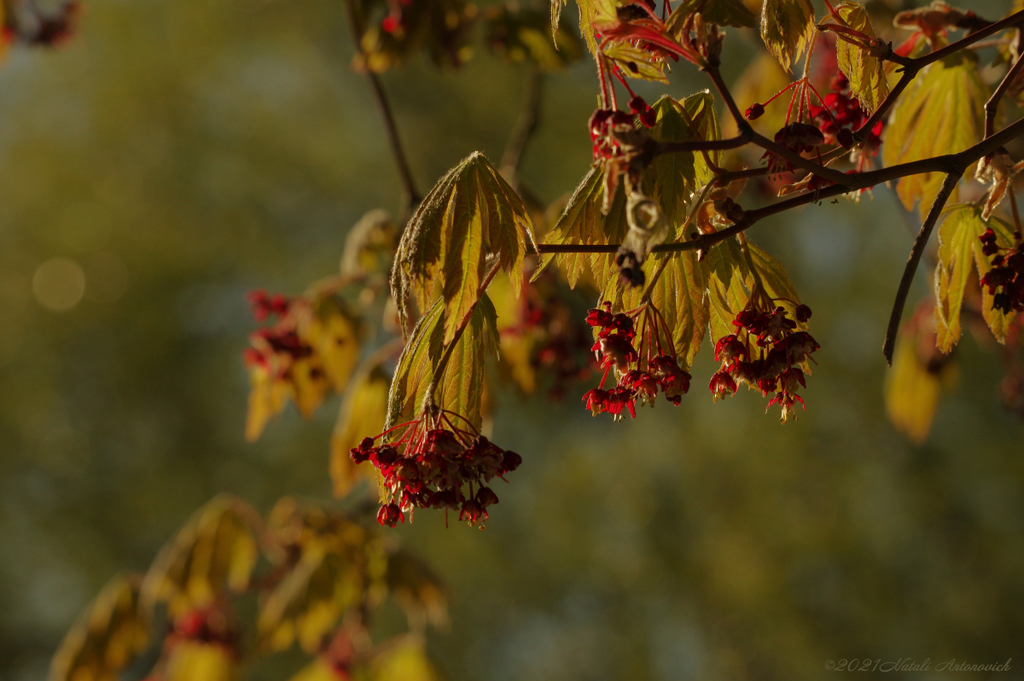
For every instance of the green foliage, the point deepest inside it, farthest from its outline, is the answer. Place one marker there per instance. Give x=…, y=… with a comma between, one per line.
x=865, y=71
x=941, y=112
x=470, y=215
x=787, y=28
x=960, y=254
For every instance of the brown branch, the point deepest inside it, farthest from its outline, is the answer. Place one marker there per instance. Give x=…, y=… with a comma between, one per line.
x=527, y=124
x=915, y=257
x=410, y=197
x=992, y=105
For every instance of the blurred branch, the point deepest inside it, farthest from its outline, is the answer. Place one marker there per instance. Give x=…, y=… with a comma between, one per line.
x=410, y=197
x=527, y=124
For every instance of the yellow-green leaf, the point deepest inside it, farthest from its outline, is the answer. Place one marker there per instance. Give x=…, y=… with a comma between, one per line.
x=333, y=332
x=106, y=638
x=787, y=28
x=362, y=415
x=370, y=244
x=470, y=214
x=865, y=72
x=730, y=282
x=959, y=248
x=583, y=223
x=214, y=552
x=912, y=386
x=460, y=389
x=636, y=62
x=941, y=112
x=403, y=659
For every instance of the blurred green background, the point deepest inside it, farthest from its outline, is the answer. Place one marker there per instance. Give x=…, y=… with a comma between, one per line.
x=176, y=154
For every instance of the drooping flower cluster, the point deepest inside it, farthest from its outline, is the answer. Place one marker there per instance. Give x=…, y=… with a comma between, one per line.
x=640, y=374
x=435, y=464
x=274, y=348
x=841, y=116
x=765, y=353
x=1005, y=281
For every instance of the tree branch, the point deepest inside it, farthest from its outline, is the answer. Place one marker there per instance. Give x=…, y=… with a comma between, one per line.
x=915, y=257
x=992, y=105
x=410, y=197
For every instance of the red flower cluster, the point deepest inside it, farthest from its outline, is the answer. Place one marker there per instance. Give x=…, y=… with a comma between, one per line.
x=429, y=465
x=601, y=124
x=614, y=349
x=274, y=348
x=764, y=353
x=1005, y=281
x=392, y=23
x=842, y=116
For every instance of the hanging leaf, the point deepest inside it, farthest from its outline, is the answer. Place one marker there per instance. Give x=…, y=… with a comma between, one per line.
x=865, y=72
x=941, y=112
x=362, y=415
x=333, y=333
x=106, y=638
x=787, y=28
x=460, y=389
x=730, y=282
x=214, y=552
x=403, y=659
x=470, y=213
x=672, y=177
x=679, y=295
x=591, y=12
x=959, y=249
x=370, y=244
x=916, y=380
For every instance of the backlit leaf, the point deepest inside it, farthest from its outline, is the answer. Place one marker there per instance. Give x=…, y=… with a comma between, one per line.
x=787, y=28
x=592, y=11
x=865, y=72
x=470, y=213
x=959, y=249
x=198, y=661
x=941, y=112
x=333, y=333
x=403, y=659
x=362, y=415
x=730, y=282
x=914, y=385
x=106, y=638
x=213, y=553
x=635, y=62
x=460, y=389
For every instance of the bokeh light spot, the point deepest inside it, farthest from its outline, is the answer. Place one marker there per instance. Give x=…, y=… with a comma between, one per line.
x=59, y=284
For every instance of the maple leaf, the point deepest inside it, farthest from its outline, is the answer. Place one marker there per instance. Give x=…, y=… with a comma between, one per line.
x=959, y=249
x=787, y=28
x=468, y=216
x=941, y=112
x=864, y=70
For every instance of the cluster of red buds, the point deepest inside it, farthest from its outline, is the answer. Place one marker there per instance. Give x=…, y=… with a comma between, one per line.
x=30, y=25
x=640, y=374
x=436, y=464
x=1005, y=281
x=274, y=348
x=604, y=123
x=841, y=116
x=765, y=353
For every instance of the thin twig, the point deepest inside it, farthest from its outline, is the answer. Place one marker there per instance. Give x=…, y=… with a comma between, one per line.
x=915, y=257
x=527, y=123
x=992, y=105
x=410, y=197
